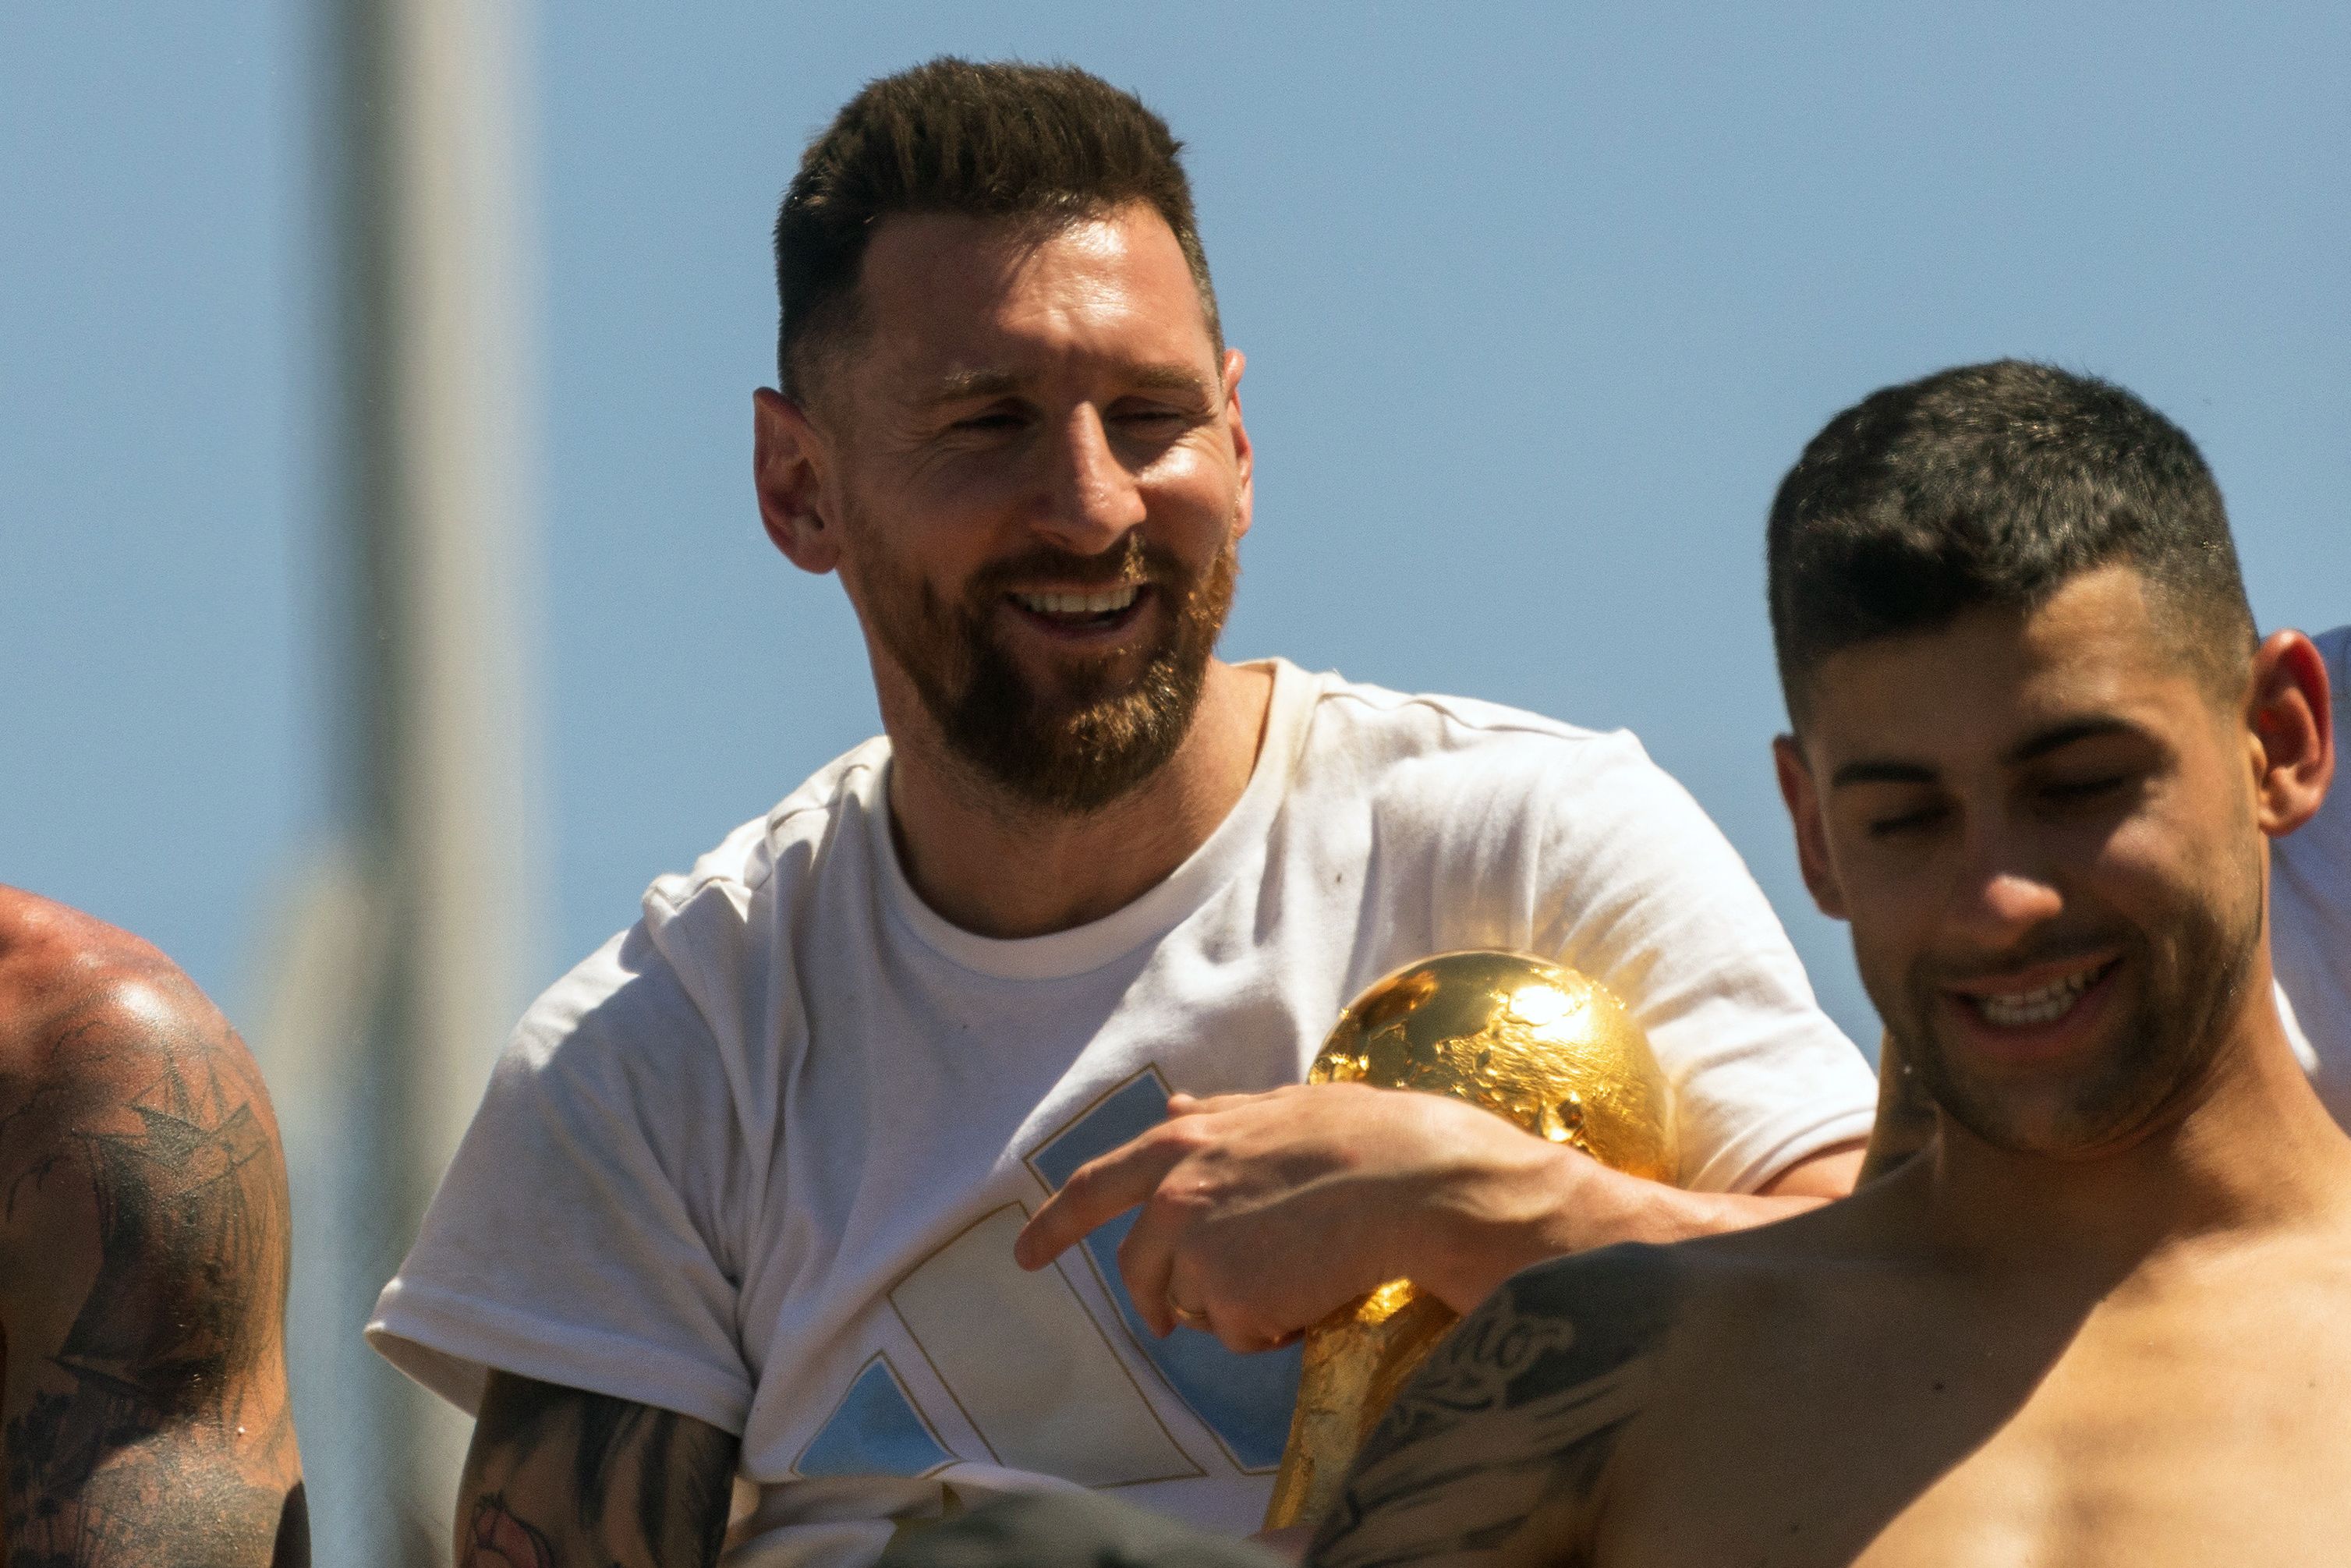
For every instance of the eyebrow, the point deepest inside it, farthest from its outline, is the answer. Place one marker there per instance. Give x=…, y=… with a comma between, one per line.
x=2032, y=748
x=1872, y=772
x=962, y=385
x=1176, y=378
x=2057, y=738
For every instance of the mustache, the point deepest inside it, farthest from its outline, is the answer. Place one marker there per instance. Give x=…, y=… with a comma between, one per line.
x=1134, y=561
x=2046, y=948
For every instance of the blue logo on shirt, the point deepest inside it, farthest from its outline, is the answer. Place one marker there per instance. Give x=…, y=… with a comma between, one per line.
x=875, y=1432
x=1246, y=1400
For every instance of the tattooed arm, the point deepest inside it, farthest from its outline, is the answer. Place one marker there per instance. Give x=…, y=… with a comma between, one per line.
x=561, y=1479
x=1496, y=1449
x=142, y=1264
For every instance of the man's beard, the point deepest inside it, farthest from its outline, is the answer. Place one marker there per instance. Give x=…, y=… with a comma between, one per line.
x=1076, y=748
x=2191, y=977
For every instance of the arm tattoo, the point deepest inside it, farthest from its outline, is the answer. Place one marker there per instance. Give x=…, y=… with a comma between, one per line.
x=495, y=1538
x=146, y=1411
x=560, y=1477
x=1517, y=1410
x=1906, y=1114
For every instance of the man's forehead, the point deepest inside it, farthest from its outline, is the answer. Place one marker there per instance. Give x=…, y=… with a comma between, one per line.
x=2091, y=658
x=951, y=294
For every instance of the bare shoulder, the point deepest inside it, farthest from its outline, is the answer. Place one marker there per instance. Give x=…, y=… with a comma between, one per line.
x=143, y=1260
x=97, y=1026
x=44, y=944
x=57, y=961
x=1506, y=1431
x=1498, y=1450
x=125, y=1098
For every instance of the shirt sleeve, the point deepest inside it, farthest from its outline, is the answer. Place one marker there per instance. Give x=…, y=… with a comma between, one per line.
x=1637, y=888
x=576, y=1238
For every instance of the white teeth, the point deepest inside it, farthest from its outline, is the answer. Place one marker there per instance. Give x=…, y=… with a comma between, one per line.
x=1101, y=601
x=2044, y=1004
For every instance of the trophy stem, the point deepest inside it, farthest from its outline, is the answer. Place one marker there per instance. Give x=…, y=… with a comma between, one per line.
x=1539, y=1045
x=1354, y=1362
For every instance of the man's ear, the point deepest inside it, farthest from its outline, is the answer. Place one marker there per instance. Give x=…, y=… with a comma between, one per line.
x=2290, y=724
x=790, y=469
x=1244, y=454
x=1804, y=801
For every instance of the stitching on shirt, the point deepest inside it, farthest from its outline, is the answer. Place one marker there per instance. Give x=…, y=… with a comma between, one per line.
x=770, y=826
x=1533, y=724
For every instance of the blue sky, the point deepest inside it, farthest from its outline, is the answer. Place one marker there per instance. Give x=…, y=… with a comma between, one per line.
x=1540, y=301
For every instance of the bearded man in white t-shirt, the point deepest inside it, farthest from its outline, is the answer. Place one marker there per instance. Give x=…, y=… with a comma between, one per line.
x=879, y=1161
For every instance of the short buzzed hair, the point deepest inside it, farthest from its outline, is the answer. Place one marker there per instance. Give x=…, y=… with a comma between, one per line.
x=991, y=140
x=1992, y=485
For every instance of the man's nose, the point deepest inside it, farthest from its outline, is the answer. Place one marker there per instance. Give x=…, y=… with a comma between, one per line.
x=1091, y=500
x=2004, y=892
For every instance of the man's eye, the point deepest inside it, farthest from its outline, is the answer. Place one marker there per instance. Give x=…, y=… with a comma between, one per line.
x=997, y=420
x=2087, y=790
x=1904, y=822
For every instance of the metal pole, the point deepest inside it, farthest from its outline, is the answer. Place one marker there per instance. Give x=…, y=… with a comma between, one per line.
x=407, y=949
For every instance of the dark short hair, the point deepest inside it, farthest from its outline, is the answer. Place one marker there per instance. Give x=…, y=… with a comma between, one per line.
x=992, y=140
x=1991, y=485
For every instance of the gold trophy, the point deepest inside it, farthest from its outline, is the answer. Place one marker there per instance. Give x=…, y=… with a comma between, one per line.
x=1533, y=1042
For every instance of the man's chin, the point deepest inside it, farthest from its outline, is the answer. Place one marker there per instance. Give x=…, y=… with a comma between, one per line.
x=2081, y=1114
x=1078, y=756
x=1066, y=688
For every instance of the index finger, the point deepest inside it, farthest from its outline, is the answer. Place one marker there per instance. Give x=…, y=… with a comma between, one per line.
x=1179, y=1103
x=1101, y=1189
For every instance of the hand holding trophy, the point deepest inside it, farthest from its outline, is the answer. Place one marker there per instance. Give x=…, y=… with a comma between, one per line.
x=1535, y=1043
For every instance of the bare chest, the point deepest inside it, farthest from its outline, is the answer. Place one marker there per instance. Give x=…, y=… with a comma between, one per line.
x=2194, y=1432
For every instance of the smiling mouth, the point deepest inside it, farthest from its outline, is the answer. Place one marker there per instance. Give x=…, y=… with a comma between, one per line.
x=1089, y=607
x=2043, y=1004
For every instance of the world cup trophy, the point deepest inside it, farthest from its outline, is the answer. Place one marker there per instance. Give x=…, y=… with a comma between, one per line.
x=1531, y=1042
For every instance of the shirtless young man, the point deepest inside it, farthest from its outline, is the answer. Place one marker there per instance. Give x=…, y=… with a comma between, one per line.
x=142, y=1264
x=2310, y=946
x=2106, y=1317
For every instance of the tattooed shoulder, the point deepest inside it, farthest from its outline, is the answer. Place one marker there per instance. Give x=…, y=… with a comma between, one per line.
x=1516, y=1413
x=143, y=1258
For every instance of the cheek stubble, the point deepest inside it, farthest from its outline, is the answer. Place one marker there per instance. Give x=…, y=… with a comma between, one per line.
x=2190, y=973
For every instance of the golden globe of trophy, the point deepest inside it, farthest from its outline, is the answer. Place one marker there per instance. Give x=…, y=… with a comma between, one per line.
x=1533, y=1042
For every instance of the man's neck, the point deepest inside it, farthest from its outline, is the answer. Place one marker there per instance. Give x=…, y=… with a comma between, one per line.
x=2253, y=1149
x=998, y=868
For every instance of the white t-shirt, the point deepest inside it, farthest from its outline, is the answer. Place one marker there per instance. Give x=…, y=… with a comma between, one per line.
x=2309, y=913
x=761, y=1157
